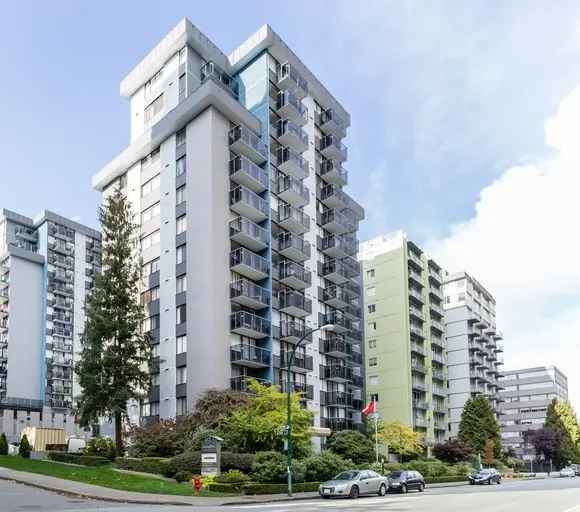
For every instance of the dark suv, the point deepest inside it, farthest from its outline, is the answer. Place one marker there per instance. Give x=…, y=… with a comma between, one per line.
x=405, y=481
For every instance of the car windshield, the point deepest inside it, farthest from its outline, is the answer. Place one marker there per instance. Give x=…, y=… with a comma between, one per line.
x=347, y=475
x=396, y=474
x=485, y=471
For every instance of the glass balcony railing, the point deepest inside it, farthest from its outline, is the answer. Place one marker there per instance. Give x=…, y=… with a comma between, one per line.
x=293, y=246
x=289, y=106
x=248, y=233
x=245, y=172
x=336, y=222
x=299, y=363
x=291, y=134
x=293, y=219
x=332, y=196
x=339, y=246
x=288, y=77
x=294, y=275
x=290, y=162
x=211, y=71
x=248, y=355
x=249, y=294
x=330, y=122
x=336, y=399
x=249, y=324
x=249, y=204
x=248, y=263
x=245, y=142
x=337, y=373
x=294, y=303
x=331, y=147
x=332, y=172
x=292, y=331
x=293, y=191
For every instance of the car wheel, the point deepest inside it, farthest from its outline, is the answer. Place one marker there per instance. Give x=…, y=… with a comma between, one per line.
x=489, y=482
x=498, y=481
x=353, y=492
x=382, y=490
x=471, y=483
x=421, y=487
x=325, y=497
x=404, y=489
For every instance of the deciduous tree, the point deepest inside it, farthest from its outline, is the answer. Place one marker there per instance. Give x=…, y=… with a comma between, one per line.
x=561, y=418
x=353, y=445
x=452, y=451
x=401, y=439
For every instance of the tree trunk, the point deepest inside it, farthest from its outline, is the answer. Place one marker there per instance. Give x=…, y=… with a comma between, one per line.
x=118, y=434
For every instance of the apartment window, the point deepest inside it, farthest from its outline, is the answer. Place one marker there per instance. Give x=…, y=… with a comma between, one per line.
x=371, y=292
x=181, y=224
x=182, y=83
x=372, y=308
x=181, y=375
x=180, y=406
x=180, y=344
x=154, y=79
x=461, y=297
x=150, y=267
x=372, y=326
x=145, y=410
x=180, y=195
x=151, y=158
x=123, y=181
x=371, y=273
x=183, y=55
x=372, y=343
x=180, y=314
x=154, y=408
x=154, y=108
x=150, y=295
x=155, y=350
x=373, y=361
x=374, y=380
x=150, y=213
x=150, y=240
x=151, y=323
x=150, y=186
x=180, y=138
x=374, y=397
x=181, y=284
x=155, y=379
x=180, y=254
x=180, y=166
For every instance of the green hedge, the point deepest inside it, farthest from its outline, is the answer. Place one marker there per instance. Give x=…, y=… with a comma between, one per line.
x=190, y=462
x=278, y=488
x=445, y=479
x=224, y=488
x=73, y=458
x=154, y=465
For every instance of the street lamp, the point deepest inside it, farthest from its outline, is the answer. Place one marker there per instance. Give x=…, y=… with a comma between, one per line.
x=289, y=362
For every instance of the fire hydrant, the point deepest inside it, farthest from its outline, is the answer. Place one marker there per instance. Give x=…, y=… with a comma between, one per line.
x=196, y=483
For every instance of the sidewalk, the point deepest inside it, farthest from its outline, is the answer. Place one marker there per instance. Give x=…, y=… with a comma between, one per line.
x=83, y=490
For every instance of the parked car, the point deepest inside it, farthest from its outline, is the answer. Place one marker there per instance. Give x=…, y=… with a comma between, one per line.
x=567, y=473
x=405, y=481
x=485, y=476
x=351, y=484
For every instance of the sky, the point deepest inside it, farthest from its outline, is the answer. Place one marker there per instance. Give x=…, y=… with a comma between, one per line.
x=464, y=128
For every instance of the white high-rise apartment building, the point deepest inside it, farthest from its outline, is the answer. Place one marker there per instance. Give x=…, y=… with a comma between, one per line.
x=47, y=267
x=235, y=172
x=473, y=351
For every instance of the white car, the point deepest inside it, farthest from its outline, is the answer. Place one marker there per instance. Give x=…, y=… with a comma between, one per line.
x=567, y=473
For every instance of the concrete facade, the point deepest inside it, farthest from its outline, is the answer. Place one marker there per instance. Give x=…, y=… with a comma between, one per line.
x=234, y=171
x=525, y=398
x=473, y=349
x=47, y=267
x=404, y=334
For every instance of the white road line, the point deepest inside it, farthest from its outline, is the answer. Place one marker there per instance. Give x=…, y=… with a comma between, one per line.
x=336, y=503
x=575, y=508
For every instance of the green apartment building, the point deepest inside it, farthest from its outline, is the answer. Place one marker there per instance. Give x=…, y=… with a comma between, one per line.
x=405, y=334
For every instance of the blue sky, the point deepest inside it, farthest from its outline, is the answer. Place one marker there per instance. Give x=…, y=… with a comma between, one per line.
x=450, y=140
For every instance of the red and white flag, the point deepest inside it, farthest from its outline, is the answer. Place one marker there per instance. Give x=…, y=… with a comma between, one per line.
x=371, y=408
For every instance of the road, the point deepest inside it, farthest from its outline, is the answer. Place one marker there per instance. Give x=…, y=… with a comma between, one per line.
x=551, y=495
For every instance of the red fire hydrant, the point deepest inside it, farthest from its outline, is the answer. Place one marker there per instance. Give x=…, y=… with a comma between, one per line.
x=196, y=483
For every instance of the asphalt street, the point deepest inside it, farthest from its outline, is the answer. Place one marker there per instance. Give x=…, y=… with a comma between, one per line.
x=551, y=495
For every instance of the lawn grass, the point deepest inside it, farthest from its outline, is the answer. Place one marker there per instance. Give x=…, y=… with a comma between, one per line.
x=103, y=476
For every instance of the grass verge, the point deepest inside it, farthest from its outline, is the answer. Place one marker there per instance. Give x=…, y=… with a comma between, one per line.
x=103, y=476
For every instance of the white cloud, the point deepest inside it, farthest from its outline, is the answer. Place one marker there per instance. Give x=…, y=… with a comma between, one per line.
x=523, y=244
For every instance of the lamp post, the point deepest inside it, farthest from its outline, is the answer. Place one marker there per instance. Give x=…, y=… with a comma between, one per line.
x=289, y=362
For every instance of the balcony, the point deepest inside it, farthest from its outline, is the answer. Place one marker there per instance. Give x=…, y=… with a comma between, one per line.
x=293, y=247
x=211, y=71
x=330, y=123
x=333, y=197
x=306, y=391
x=23, y=404
x=336, y=424
x=294, y=275
x=337, y=321
x=332, y=172
x=437, y=357
x=439, y=408
x=331, y=147
x=245, y=172
x=417, y=331
x=336, y=373
x=416, y=278
x=416, y=313
x=435, y=276
x=335, y=346
x=300, y=363
x=293, y=191
x=418, y=385
x=439, y=391
x=436, y=308
x=336, y=271
x=245, y=142
x=336, y=222
x=419, y=422
x=26, y=233
x=248, y=204
x=293, y=219
x=294, y=303
x=336, y=296
x=437, y=326
x=289, y=78
x=415, y=260
x=248, y=294
x=293, y=332
x=335, y=399
x=241, y=383
x=249, y=264
x=291, y=135
x=419, y=404
x=289, y=106
x=290, y=162
x=418, y=349
x=250, y=325
x=250, y=356
x=417, y=295
x=438, y=374
x=418, y=367
x=338, y=246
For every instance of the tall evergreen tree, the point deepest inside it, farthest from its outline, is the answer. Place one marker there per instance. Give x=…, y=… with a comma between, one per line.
x=115, y=353
x=478, y=424
x=561, y=418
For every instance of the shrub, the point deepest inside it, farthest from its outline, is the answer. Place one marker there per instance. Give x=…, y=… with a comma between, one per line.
x=161, y=439
x=74, y=458
x=3, y=444
x=240, y=461
x=393, y=466
x=233, y=476
x=452, y=451
x=225, y=488
x=101, y=447
x=88, y=460
x=154, y=465
x=259, y=488
x=56, y=447
x=189, y=462
x=271, y=467
x=183, y=476
x=351, y=444
x=24, y=449
x=428, y=468
x=444, y=479
x=324, y=466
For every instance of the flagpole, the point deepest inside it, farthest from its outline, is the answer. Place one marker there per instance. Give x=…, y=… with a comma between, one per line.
x=376, y=437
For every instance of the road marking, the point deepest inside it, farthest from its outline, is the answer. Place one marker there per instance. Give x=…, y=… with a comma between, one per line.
x=575, y=508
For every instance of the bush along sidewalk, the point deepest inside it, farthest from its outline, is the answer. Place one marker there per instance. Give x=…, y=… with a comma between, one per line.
x=256, y=488
x=74, y=458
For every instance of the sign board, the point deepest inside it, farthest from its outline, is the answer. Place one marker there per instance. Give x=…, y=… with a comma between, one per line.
x=211, y=455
